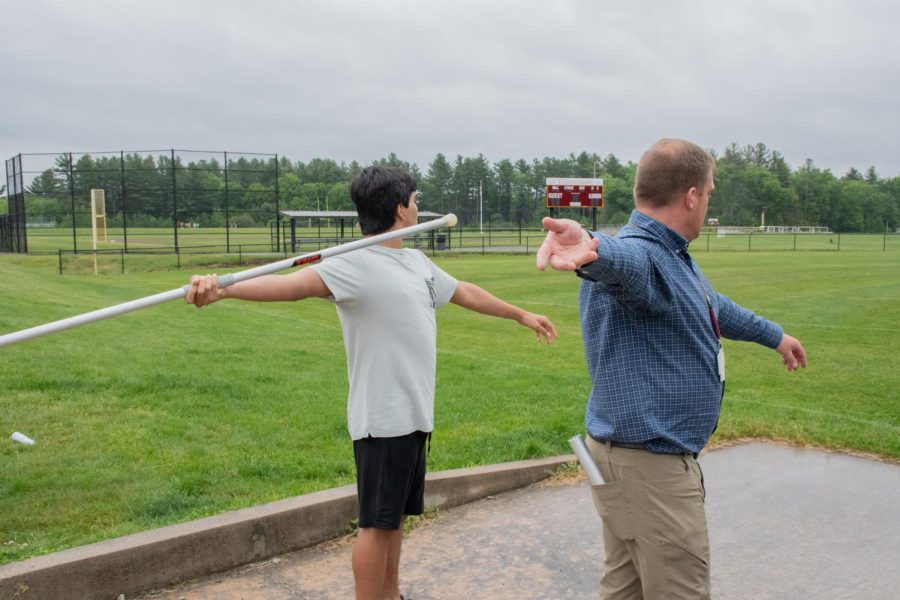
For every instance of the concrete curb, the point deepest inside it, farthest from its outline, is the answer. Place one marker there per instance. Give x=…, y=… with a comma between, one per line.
x=153, y=559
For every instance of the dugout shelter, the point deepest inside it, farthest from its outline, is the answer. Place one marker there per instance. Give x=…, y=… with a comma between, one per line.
x=344, y=222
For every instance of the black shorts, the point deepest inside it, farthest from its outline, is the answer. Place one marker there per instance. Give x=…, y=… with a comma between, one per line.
x=390, y=479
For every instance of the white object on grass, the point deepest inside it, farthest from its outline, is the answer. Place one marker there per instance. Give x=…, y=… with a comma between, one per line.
x=22, y=438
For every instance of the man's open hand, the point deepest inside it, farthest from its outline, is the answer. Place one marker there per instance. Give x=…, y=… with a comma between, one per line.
x=567, y=245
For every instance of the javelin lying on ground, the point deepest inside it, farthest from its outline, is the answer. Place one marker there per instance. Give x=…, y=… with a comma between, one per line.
x=224, y=281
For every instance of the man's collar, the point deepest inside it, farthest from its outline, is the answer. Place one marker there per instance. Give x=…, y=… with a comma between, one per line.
x=670, y=238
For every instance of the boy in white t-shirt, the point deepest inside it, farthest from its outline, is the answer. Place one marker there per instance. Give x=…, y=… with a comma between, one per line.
x=386, y=297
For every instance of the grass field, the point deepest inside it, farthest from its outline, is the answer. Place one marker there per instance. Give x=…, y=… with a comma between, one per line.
x=172, y=413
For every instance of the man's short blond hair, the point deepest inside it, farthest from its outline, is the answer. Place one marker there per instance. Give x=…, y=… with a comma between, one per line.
x=670, y=168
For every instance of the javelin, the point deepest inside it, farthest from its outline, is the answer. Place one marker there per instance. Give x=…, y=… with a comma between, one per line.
x=224, y=281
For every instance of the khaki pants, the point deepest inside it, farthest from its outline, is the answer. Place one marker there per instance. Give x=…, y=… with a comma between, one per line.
x=654, y=524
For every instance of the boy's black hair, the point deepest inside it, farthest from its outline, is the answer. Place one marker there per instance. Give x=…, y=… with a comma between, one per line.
x=376, y=192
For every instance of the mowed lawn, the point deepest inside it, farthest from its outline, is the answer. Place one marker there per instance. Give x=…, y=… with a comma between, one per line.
x=173, y=413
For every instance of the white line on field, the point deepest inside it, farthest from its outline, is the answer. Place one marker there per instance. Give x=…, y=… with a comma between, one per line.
x=814, y=411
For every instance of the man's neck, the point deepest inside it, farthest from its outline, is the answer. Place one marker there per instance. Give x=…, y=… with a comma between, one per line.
x=666, y=216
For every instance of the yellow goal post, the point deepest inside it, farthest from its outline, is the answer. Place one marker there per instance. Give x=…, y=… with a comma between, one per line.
x=98, y=216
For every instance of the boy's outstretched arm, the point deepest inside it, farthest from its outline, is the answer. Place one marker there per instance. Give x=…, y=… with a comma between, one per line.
x=469, y=295
x=298, y=285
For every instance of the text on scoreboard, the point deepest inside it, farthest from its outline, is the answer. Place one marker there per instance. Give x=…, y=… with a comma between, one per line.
x=574, y=192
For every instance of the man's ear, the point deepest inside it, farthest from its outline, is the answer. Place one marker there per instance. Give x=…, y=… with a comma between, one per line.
x=690, y=198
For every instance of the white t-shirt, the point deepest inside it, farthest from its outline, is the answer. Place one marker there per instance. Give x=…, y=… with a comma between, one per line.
x=386, y=298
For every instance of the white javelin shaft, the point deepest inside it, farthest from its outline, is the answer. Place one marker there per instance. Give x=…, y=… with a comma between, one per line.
x=224, y=281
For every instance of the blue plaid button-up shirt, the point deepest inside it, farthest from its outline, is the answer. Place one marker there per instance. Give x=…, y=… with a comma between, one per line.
x=649, y=341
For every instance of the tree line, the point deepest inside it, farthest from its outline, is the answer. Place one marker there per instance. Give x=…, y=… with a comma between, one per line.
x=753, y=182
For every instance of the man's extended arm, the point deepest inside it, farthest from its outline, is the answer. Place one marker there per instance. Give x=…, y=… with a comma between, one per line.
x=612, y=261
x=739, y=323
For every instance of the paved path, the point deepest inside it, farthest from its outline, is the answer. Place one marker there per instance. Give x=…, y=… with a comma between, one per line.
x=785, y=523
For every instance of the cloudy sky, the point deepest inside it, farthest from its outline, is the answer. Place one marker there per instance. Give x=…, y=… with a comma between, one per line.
x=357, y=80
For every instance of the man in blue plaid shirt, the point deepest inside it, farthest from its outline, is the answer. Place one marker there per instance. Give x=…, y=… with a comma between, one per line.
x=652, y=325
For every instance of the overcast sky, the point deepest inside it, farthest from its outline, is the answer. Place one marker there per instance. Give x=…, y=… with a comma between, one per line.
x=525, y=79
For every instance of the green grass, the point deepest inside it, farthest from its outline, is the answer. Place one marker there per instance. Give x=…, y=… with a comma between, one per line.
x=171, y=413
x=845, y=308
x=147, y=238
x=258, y=239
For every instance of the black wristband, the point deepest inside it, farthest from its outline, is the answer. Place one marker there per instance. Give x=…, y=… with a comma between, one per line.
x=583, y=273
x=580, y=271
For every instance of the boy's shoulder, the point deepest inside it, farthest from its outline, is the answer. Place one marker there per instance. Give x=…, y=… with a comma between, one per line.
x=375, y=256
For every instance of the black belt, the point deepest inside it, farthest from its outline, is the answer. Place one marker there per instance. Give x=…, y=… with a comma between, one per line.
x=629, y=446
x=616, y=444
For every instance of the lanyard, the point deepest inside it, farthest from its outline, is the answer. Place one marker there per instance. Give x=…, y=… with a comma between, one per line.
x=712, y=317
x=712, y=314
x=720, y=356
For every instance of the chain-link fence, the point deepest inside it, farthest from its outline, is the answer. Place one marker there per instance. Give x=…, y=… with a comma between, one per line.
x=154, y=199
x=190, y=204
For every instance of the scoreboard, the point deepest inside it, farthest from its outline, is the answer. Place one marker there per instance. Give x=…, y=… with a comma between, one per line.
x=574, y=192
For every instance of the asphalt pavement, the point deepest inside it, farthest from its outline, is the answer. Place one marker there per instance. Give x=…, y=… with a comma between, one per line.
x=785, y=523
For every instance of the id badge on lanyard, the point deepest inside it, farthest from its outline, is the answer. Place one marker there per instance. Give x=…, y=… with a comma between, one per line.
x=720, y=360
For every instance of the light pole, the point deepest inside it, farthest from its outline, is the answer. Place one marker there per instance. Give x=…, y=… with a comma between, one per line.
x=481, y=206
